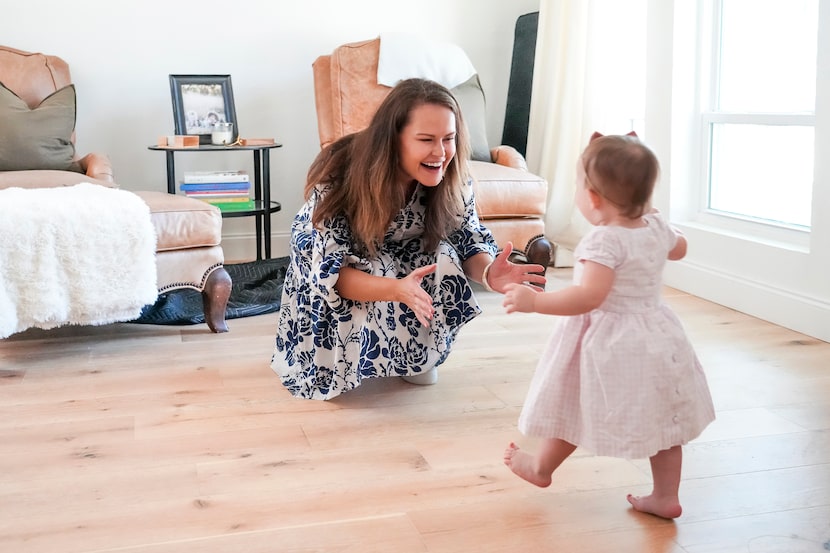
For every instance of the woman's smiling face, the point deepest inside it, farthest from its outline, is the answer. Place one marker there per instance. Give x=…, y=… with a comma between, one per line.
x=427, y=144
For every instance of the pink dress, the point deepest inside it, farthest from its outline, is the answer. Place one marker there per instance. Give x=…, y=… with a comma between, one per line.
x=622, y=380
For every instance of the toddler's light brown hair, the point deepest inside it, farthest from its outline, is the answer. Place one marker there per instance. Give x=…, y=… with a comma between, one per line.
x=623, y=170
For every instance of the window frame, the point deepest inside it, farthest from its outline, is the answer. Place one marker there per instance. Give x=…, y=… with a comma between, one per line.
x=790, y=236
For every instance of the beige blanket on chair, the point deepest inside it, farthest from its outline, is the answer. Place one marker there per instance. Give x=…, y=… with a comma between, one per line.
x=82, y=254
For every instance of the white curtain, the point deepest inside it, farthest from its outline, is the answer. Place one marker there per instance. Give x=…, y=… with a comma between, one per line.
x=589, y=75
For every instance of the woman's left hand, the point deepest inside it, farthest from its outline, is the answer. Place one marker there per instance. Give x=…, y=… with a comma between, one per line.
x=503, y=272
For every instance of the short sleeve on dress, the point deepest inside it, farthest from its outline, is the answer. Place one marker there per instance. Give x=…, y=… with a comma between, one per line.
x=472, y=237
x=600, y=246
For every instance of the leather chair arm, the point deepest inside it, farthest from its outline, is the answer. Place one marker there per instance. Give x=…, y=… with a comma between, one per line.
x=97, y=166
x=509, y=157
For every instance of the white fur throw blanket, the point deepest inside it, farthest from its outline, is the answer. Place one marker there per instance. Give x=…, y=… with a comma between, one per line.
x=82, y=254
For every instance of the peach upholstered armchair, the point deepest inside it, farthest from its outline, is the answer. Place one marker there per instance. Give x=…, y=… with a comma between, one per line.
x=511, y=201
x=37, y=150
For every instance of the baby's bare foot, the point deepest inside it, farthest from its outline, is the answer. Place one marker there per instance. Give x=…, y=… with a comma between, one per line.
x=524, y=466
x=665, y=508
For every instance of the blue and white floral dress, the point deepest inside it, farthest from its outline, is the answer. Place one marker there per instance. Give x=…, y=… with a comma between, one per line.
x=327, y=344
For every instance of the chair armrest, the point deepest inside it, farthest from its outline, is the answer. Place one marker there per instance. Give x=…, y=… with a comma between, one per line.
x=40, y=178
x=97, y=166
x=509, y=157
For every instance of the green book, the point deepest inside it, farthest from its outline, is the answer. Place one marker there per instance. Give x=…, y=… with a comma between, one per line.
x=234, y=206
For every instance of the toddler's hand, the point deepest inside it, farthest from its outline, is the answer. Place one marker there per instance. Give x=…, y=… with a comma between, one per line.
x=520, y=297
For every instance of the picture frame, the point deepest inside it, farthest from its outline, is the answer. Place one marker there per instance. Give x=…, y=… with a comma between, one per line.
x=199, y=101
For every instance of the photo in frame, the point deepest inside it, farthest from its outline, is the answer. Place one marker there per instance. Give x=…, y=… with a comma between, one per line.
x=199, y=102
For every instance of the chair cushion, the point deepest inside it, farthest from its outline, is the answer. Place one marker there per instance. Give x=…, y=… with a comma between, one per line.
x=470, y=99
x=182, y=222
x=504, y=192
x=38, y=138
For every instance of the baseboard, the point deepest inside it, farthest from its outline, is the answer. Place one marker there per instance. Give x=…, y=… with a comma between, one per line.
x=797, y=312
x=800, y=313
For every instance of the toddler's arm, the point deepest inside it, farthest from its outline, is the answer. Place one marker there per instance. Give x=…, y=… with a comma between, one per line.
x=679, y=250
x=574, y=300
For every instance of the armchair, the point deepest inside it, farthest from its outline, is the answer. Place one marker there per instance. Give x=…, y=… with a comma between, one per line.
x=510, y=200
x=188, y=232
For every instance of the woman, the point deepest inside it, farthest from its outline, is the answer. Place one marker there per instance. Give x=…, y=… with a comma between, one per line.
x=382, y=250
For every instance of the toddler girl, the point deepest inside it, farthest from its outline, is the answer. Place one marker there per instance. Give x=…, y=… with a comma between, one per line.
x=618, y=377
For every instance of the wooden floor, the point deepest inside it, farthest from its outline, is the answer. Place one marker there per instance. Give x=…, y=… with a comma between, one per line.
x=146, y=439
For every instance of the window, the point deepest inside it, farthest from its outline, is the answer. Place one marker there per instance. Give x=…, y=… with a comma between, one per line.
x=712, y=128
x=759, y=117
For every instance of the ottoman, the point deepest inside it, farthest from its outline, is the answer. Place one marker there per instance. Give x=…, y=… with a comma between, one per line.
x=188, y=251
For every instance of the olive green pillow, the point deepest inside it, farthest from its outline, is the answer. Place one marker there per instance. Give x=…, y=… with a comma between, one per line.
x=39, y=138
x=470, y=98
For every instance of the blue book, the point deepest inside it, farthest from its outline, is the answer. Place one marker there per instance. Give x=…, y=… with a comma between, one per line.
x=215, y=186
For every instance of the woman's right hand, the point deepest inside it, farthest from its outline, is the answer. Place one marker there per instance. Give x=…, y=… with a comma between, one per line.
x=411, y=294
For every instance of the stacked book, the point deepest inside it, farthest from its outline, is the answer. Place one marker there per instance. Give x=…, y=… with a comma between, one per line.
x=227, y=190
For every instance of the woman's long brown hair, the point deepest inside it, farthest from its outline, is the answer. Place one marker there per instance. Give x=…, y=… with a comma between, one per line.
x=363, y=169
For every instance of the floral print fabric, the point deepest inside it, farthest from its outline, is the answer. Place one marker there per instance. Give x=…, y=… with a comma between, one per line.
x=326, y=344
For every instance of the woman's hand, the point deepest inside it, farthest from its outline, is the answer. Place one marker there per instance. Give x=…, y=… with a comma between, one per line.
x=520, y=297
x=503, y=272
x=356, y=285
x=416, y=298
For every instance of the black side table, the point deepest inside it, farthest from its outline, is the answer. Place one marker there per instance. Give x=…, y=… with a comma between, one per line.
x=263, y=206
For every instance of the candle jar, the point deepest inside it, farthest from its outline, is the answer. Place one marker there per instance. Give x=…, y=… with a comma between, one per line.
x=222, y=134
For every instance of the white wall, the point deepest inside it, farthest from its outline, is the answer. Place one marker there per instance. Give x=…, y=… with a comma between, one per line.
x=120, y=55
